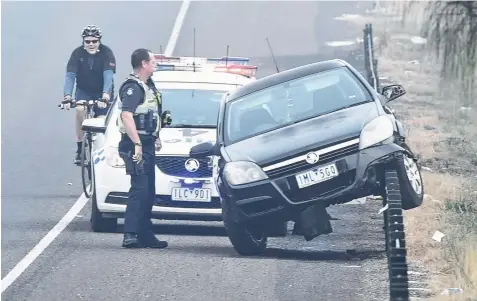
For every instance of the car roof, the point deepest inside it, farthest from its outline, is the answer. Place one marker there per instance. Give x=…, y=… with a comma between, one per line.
x=200, y=77
x=285, y=76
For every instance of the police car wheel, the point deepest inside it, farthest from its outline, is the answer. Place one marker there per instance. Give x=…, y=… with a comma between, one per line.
x=86, y=168
x=100, y=223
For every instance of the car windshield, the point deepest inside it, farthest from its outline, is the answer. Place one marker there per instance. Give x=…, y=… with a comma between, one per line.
x=291, y=102
x=192, y=107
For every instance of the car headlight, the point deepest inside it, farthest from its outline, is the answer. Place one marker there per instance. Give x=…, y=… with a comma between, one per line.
x=376, y=131
x=112, y=157
x=243, y=172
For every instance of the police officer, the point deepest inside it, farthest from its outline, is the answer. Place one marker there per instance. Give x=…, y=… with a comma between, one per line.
x=140, y=121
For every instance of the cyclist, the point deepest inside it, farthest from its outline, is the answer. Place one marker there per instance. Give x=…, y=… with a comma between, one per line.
x=93, y=66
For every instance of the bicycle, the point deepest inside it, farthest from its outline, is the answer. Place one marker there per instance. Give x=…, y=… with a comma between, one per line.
x=86, y=147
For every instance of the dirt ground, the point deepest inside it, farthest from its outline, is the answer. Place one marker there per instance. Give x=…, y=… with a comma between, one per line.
x=442, y=130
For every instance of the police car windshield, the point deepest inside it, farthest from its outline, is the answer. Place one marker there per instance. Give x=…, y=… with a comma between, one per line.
x=192, y=107
x=292, y=102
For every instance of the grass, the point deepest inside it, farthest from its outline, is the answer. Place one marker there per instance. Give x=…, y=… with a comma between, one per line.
x=442, y=130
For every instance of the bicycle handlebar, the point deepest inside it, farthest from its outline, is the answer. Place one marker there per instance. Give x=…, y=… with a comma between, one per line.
x=87, y=103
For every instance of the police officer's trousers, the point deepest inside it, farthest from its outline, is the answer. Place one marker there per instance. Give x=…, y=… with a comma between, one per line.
x=137, y=218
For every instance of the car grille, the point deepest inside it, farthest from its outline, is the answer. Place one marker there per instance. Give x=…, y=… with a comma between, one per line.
x=296, y=194
x=303, y=165
x=175, y=166
x=121, y=198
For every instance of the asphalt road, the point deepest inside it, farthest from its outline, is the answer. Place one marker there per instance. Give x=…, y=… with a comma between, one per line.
x=200, y=263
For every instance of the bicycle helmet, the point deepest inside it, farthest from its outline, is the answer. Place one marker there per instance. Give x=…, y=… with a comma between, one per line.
x=91, y=31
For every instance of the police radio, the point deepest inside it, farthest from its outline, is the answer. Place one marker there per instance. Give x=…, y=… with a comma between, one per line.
x=146, y=122
x=166, y=118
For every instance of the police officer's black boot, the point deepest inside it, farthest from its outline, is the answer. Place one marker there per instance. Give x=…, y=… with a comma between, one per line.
x=149, y=240
x=130, y=240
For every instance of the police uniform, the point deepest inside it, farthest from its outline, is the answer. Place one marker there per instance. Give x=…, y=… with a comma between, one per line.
x=144, y=101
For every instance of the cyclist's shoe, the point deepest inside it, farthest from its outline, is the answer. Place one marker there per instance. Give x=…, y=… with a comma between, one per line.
x=77, y=160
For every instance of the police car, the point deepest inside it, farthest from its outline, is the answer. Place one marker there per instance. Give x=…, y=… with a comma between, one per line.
x=191, y=89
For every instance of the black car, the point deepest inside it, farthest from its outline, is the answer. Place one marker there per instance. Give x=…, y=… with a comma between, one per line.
x=293, y=143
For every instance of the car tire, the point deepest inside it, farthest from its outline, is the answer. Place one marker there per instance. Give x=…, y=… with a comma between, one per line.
x=395, y=238
x=98, y=222
x=244, y=242
x=410, y=181
x=85, y=154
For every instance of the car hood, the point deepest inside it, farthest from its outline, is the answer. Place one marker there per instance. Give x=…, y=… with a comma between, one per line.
x=310, y=134
x=175, y=141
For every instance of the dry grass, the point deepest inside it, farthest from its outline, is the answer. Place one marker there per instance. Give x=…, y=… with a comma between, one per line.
x=442, y=133
x=421, y=130
x=453, y=261
x=422, y=222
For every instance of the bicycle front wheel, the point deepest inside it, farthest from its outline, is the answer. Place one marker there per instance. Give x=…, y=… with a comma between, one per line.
x=86, y=169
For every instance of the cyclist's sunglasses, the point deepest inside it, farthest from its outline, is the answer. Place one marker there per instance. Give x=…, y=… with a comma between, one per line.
x=91, y=41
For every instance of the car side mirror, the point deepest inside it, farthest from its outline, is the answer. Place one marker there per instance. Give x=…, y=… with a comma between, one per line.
x=94, y=125
x=392, y=92
x=204, y=149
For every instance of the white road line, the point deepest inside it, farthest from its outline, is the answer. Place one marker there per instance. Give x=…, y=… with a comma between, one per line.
x=44, y=243
x=21, y=266
x=171, y=44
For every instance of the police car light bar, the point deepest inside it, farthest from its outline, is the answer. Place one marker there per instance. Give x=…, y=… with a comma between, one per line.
x=174, y=63
x=233, y=60
x=202, y=60
x=163, y=58
x=234, y=65
x=177, y=67
x=244, y=70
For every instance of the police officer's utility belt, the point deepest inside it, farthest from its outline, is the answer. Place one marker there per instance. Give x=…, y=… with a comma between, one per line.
x=146, y=122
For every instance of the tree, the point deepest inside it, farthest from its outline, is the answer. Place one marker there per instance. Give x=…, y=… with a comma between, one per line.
x=451, y=31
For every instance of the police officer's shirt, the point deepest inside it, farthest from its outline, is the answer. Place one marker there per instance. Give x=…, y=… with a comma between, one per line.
x=132, y=95
x=89, y=68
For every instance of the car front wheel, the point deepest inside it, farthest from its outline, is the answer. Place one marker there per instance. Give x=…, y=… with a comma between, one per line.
x=247, y=239
x=412, y=188
x=98, y=222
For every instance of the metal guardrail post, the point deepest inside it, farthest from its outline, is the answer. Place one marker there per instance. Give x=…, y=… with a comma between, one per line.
x=396, y=252
x=371, y=64
x=366, y=54
x=375, y=61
